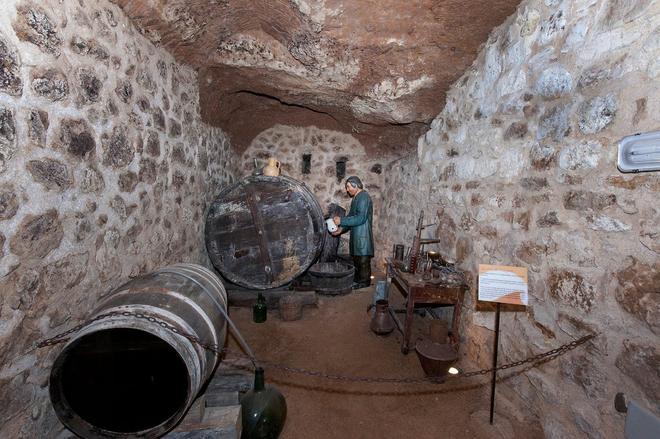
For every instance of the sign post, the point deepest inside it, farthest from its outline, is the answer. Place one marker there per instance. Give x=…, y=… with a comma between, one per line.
x=494, y=378
x=501, y=284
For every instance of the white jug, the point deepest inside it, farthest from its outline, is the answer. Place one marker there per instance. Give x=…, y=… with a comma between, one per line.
x=332, y=227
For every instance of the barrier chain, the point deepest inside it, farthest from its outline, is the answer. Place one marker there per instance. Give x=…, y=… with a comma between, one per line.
x=544, y=356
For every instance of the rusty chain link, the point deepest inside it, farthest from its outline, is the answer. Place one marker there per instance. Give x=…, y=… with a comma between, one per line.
x=548, y=355
x=62, y=337
x=536, y=358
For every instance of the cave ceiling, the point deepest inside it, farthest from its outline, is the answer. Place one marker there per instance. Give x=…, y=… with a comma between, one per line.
x=378, y=69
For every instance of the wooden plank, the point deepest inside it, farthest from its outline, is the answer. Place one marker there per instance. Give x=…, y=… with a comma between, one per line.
x=261, y=233
x=233, y=365
x=217, y=423
x=195, y=413
x=285, y=229
x=280, y=221
x=237, y=382
x=220, y=399
x=249, y=297
x=233, y=375
x=217, y=413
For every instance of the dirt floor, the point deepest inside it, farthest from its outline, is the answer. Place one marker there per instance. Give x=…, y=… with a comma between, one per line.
x=335, y=338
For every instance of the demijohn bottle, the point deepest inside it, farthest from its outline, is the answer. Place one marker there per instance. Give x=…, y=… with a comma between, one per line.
x=263, y=410
x=259, y=309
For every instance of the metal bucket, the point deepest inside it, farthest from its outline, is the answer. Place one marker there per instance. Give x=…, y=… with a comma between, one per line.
x=128, y=375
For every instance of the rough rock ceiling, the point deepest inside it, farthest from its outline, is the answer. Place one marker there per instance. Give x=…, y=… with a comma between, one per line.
x=376, y=68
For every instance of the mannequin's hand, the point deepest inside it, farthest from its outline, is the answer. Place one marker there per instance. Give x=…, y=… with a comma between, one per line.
x=337, y=220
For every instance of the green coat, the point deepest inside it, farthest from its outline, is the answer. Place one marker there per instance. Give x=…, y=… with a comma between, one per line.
x=358, y=221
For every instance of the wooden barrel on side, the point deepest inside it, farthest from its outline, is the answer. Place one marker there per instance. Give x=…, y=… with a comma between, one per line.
x=263, y=232
x=129, y=372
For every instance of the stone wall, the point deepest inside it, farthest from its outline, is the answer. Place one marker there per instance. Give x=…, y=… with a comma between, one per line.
x=520, y=169
x=105, y=174
x=289, y=144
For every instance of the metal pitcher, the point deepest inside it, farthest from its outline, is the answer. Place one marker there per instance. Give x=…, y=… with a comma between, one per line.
x=382, y=322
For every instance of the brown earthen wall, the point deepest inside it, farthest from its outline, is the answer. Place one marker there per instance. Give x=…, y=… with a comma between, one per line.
x=520, y=169
x=105, y=174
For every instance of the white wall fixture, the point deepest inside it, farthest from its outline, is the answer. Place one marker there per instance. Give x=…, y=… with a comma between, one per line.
x=639, y=152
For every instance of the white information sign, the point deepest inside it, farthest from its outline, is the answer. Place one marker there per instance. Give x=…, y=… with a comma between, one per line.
x=503, y=284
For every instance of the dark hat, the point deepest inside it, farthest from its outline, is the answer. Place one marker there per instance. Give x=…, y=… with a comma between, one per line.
x=354, y=181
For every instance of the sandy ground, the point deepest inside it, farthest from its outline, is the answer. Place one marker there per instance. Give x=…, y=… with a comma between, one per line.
x=335, y=338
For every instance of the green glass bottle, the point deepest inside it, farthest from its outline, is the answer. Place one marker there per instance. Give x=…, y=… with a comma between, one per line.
x=259, y=309
x=263, y=410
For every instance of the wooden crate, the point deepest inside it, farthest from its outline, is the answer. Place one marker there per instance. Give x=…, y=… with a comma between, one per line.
x=216, y=414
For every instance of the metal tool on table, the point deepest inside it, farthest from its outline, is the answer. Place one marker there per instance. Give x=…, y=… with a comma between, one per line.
x=431, y=258
x=414, y=250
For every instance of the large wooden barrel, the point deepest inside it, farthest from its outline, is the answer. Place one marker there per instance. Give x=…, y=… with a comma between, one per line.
x=263, y=232
x=131, y=372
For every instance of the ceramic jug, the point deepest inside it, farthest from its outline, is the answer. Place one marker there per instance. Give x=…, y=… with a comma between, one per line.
x=273, y=168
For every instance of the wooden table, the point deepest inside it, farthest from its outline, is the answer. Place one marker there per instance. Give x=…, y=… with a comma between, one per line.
x=418, y=291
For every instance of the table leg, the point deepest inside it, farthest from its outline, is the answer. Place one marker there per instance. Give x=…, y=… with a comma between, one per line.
x=397, y=323
x=410, y=307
